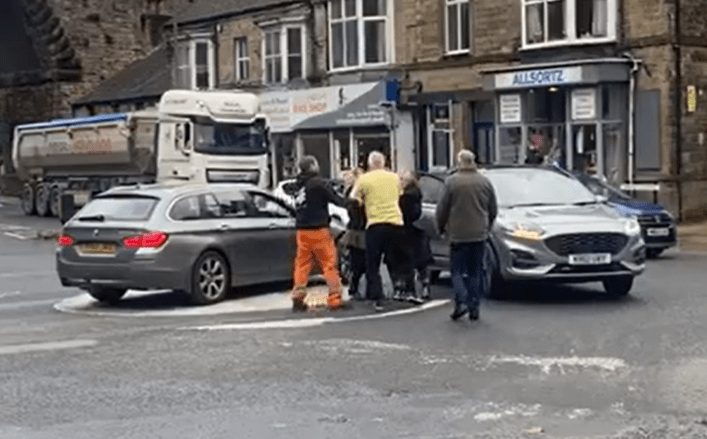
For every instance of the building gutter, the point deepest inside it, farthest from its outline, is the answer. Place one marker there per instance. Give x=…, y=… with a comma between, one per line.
x=632, y=118
x=678, y=105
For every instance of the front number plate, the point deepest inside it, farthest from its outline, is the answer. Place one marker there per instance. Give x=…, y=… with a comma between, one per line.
x=591, y=259
x=98, y=248
x=658, y=232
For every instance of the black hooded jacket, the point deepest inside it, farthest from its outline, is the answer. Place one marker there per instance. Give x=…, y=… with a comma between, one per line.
x=312, y=195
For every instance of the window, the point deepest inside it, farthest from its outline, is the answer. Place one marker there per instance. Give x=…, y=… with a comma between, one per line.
x=242, y=59
x=228, y=138
x=458, y=34
x=195, y=64
x=196, y=207
x=358, y=33
x=440, y=135
x=266, y=206
x=119, y=208
x=284, y=54
x=568, y=21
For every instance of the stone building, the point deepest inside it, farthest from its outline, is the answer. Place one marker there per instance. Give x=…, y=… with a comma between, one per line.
x=55, y=51
x=606, y=86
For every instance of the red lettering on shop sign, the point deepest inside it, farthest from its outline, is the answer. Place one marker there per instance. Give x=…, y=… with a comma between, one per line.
x=317, y=108
x=299, y=108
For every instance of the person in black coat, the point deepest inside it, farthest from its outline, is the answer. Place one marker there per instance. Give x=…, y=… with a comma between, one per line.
x=354, y=241
x=415, y=245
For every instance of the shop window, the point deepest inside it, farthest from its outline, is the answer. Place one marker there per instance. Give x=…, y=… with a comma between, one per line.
x=546, y=105
x=441, y=140
x=318, y=146
x=614, y=153
x=284, y=54
x=242, y=58
x=544, y=141
x=584, y=151
x=195, y=64
x=342, y=141
x=547, y=22
x=457, y=18
x=509, y=141
x=358, y=33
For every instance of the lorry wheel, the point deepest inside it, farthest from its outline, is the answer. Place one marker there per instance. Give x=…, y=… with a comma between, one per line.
x=55, y=201
x=211, y=279
x=42, y=200
x=107, y=295
x=28, y=203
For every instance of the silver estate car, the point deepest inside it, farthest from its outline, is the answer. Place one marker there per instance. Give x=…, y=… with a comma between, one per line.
x=550, y=227
x=199, y=239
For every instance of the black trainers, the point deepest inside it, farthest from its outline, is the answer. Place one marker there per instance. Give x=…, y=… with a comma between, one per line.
x=474, y=313
x=415, y=300
x=457, y=313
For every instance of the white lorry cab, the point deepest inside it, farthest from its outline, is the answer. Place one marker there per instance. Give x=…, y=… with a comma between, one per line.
x=193, y=136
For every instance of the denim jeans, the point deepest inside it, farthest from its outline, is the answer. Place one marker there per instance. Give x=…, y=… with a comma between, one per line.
x=467, y=273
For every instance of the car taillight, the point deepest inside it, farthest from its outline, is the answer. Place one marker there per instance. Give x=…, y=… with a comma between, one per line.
x=65, y=241
x=150, y=239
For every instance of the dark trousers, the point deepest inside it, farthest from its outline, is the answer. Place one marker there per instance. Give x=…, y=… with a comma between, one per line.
x=467, y=273
x=380, y=240
x=358, y=268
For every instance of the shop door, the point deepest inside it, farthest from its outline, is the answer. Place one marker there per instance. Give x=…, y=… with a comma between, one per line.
x=367, y=144
x=584, y=149
x=318, y=146
x=484, y=143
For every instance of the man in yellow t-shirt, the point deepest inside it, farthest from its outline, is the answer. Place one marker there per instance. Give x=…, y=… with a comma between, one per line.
x=379, y=191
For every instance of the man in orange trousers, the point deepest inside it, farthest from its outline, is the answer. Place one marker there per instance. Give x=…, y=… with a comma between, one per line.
x=312, y=195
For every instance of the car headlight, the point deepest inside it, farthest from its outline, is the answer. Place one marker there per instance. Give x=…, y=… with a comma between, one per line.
x=530, y=232
x=631, y=227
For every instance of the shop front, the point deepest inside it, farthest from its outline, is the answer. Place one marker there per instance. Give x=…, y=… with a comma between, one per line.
x=576, y=115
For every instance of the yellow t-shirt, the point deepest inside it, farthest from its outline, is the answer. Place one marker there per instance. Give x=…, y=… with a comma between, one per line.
x=379, y=191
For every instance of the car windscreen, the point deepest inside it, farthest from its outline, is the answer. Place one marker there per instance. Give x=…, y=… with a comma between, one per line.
x=229, y=138
x=118, y=208
x=601, y=188
x=533, y=187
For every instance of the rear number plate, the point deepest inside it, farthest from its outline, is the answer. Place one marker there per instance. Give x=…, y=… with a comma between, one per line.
x=658, y=232
x=591, y=259
x=98, y=248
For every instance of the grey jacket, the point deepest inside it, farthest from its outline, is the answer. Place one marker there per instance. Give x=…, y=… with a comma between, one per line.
x=467, y=208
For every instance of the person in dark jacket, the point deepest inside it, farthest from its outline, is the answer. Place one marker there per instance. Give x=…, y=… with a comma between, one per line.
x=466, y=213
x=312, y=195
x=414, y=246
x=354, y=241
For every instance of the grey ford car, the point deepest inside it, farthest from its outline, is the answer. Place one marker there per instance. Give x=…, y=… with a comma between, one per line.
x=198, y=239
x=550, y=227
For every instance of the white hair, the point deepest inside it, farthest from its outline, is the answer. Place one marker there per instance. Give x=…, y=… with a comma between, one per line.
x=466, y=159
x=376, y=160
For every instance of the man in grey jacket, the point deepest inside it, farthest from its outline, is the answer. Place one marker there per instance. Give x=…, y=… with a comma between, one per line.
x=466, y=214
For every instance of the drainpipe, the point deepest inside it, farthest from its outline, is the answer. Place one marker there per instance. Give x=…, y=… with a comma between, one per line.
x=678, y=106
x=632, y=118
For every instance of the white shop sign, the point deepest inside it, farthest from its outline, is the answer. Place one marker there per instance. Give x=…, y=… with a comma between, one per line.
x=539, y=78
x=584, y=103
x=286, y=109
x=510, y=108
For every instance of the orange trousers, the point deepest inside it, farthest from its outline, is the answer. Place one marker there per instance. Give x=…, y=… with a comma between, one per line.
x=318, y=244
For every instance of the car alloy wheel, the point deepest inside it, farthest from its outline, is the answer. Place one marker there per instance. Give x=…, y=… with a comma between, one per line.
x=210, y=278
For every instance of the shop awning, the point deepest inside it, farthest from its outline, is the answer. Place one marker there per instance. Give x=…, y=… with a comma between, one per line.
x=364, y=111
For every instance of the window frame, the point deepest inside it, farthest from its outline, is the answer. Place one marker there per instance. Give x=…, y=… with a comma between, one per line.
x=431, y=129
x=284, y=55
x=239, y=43
x=360, y=19
x=570, y=18
x=459, y=35
x=190, y=43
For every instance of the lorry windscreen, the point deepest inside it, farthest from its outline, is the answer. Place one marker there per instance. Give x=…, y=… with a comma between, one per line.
x=230, y=138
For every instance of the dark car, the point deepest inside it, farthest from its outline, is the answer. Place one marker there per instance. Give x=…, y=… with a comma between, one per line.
x=657, y=224
x=198, y=239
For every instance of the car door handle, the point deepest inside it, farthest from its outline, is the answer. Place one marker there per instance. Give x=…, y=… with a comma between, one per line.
x=224, y=226
x=272, y=226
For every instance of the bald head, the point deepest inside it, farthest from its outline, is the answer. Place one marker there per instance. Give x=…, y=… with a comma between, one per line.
x=466, y=159
x=376, y=160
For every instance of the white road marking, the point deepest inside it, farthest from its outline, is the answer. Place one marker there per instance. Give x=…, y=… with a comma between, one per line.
x=28, y=273
x=351, y=346
x=16, y=236
x=10, y=294
x=27, y=304
x=314, y=322
x=520, y=410
x=13, y=227
x=48, y=346
x=546, y=364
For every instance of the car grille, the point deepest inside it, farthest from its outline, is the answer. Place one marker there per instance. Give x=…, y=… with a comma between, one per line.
x=654, y=219
x=579, y=243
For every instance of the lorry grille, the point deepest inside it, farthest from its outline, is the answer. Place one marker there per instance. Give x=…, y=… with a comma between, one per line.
x=580, y=243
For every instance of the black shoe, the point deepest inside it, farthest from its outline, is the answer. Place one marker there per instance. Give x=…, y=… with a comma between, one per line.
x=474, y=313
x=458, y=313
x=415, y=300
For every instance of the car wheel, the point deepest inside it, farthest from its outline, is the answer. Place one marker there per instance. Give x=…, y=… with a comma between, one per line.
x=210, y=279
x=107, y=295
x=618, y=287
x=29, y=206
x=653, y=253
x=434, y=276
